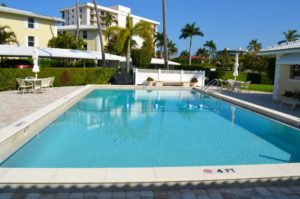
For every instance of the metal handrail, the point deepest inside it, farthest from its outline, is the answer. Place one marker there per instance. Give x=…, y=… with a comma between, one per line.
x=211, y=83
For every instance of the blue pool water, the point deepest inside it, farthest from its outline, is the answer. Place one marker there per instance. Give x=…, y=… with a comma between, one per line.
x=140, y=128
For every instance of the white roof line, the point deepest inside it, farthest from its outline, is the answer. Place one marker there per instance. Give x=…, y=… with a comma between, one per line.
x=280, y=48
x=28, y=13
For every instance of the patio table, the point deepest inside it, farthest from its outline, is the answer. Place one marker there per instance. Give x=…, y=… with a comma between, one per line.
x=35, y=82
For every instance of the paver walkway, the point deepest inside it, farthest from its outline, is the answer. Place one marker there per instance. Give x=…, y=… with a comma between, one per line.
x=14, y=106
x=255, y=192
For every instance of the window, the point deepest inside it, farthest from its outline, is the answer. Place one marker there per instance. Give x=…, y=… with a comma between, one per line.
x=63, y=15
x=295, y=72
x=80, y=9
x=102, y=13
x=84, y=34
x=30, y=23
x=30, y=41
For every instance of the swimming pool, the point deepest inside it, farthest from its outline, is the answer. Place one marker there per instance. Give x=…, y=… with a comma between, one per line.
x=157, y=128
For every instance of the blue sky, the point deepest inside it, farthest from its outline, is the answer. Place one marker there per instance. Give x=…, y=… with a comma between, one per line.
x=230, y=23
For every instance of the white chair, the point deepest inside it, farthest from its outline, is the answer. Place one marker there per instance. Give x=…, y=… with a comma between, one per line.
x=45, y=83
x=51, y=82
x=24, y=85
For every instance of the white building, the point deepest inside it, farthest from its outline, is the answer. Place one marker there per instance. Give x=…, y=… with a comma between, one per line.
x=88, y=21
x=287, y=72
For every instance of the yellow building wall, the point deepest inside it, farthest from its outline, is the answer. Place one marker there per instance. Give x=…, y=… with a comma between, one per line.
x=44, y=31
x=285, y=83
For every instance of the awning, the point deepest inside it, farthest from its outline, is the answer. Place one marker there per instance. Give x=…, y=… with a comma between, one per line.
x=289, y=59
x=26, y=51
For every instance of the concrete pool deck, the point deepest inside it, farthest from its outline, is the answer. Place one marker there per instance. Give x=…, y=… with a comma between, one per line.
x=222, y=174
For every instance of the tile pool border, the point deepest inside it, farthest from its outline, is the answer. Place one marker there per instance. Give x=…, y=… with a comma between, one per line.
x=32, y=124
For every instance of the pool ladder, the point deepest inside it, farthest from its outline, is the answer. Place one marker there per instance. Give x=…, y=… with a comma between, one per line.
x=211, y=83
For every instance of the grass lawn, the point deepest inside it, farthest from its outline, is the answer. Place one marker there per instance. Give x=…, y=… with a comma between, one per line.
x=261, y=87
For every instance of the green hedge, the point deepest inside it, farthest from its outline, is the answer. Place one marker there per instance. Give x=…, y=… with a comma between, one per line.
x=63, y=76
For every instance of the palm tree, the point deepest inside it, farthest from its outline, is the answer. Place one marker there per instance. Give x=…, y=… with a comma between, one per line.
x=173, y=50
x=7, y=36
x=290, y=35
x=212, y=48
x=66, y=40
x=109, y=19
x=159, y=41
x=100, y=34
x=165, y=34
x=124, y=36
x=202, y=52
x=189, y=31
x=254, y=46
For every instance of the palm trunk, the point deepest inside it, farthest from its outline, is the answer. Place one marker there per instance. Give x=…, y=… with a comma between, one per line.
x=128, y=56
x=100, y=34
x=161, y=52
x=190, y=52
x=165, y=35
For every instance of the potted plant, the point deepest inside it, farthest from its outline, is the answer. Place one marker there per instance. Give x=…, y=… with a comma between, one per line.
x=194, y=82
x=150, y=81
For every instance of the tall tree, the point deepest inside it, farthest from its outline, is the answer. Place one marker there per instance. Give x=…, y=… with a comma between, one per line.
x=7, y=36
x=124, y=36
x=211, y=47
x=100, y=34
x=165, y=34
x=189, y=31
x=159, y=41
x=109, y=19
x=173, y=50
x=254, y=46
x=290, y=35
x=202, y=52
x=66, y=40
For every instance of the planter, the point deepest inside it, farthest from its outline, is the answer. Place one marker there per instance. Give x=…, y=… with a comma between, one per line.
x=194, y=84
x=149, y=83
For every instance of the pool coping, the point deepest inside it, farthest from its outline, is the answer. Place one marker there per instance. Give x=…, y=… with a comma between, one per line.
x=239, y=173
x=267, y=112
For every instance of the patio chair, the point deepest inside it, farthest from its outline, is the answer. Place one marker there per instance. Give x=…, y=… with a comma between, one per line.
x=230, y=84
x=245, y=86
x=24, y=86
x=51, y=82
x=45, y=83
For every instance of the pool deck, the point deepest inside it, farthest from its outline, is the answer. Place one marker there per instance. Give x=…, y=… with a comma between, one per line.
x=15, y=106
x=260, y=179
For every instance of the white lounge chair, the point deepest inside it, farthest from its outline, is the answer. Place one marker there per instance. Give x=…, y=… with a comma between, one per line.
x=290, y=101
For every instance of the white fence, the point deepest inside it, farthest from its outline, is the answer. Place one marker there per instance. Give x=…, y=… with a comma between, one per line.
x=141, y=76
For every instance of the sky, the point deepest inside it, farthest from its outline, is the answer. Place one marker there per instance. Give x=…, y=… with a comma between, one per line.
x=229, y=23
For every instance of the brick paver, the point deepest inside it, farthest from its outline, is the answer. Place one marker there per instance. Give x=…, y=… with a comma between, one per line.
x=15, y=106
x=251, y=192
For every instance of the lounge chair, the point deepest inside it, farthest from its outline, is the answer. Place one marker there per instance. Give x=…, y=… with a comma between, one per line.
x=24, y=85
x=290, y=101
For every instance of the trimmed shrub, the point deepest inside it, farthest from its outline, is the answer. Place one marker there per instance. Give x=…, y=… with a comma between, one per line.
x=63, y=76
x=141, y=57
